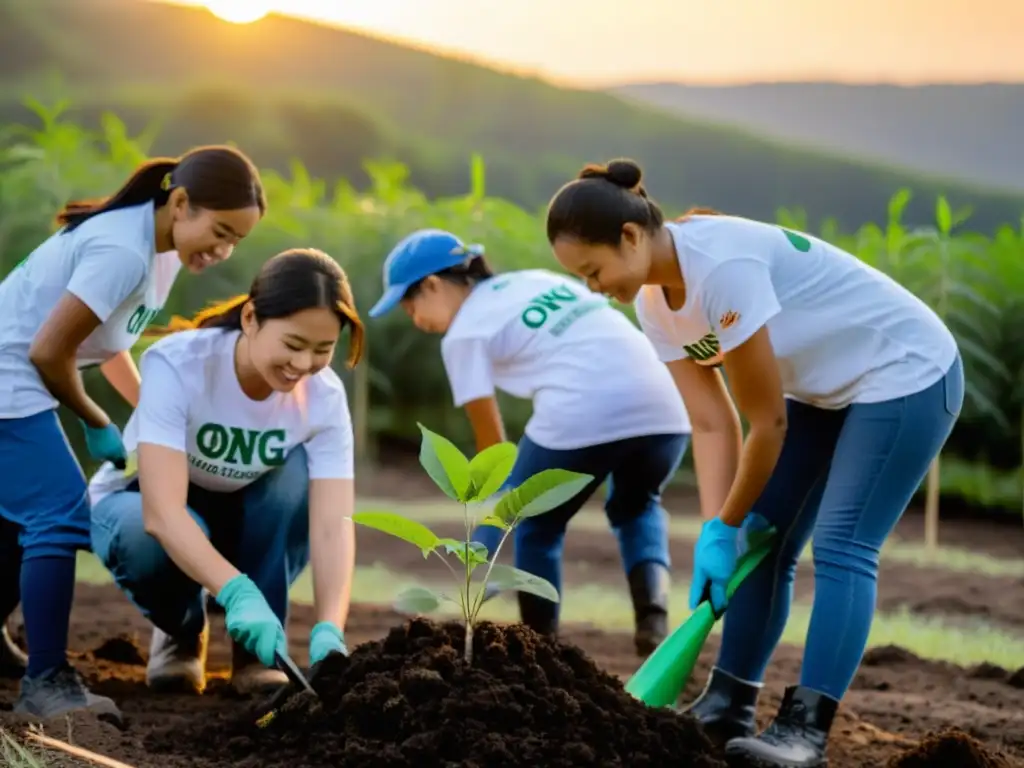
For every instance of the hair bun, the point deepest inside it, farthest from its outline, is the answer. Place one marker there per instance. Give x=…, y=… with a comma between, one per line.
x=622, y=173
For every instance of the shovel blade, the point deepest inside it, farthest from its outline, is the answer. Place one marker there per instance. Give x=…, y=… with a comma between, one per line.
x=662, y=677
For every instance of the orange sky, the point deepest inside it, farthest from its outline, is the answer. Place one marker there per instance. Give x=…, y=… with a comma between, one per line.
x=597, y=41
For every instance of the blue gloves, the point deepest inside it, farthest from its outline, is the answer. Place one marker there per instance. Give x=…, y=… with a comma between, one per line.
x=250, y=621
x=325, y=637
x=715, y=556
x=104, y=444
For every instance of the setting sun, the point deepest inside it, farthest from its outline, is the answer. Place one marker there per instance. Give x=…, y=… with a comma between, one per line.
x=239, y=11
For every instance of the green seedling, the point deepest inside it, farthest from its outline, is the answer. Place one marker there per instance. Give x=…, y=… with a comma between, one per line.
x=472, y=482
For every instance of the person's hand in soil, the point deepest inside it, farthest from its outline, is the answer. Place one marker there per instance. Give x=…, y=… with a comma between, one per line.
x=325, y=637
x=250, y=620
x=715, y=557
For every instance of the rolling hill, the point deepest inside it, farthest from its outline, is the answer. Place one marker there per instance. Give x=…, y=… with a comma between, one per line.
x=285, y=88
x=971, y=132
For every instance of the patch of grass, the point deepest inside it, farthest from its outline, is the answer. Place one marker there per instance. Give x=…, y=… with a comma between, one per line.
x=15, y=755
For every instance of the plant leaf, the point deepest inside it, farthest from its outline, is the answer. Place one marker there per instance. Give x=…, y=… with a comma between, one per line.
x=541, y=493
x=490, y=468
x=400, y=527
x=496, y=521
x=417, y=600
x=507, y=577
x=445, y=464
x=477, y=551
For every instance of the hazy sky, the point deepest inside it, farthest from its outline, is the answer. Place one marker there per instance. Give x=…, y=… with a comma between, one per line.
x=598, y=41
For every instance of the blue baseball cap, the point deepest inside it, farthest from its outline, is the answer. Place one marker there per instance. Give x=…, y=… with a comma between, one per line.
x=419, y=255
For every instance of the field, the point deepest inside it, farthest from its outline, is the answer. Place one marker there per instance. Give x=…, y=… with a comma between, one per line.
x=947, y=645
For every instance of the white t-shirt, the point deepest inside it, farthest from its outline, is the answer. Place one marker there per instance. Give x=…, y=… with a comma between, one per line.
x=842, y=331
x=592, y=376
x=108, y=262
x=191, y=401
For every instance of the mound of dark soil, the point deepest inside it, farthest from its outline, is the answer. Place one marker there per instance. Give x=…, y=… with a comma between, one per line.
x=950, y=748
x=410, y=700
x=122, y=649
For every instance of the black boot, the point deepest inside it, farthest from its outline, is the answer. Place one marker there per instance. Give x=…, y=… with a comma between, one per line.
x=649, y=584
x=726, y=707
x=539, y=614
x=796, y=737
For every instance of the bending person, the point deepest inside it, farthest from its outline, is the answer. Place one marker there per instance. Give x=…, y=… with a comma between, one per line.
x=83, y=298
x=245, y=475
x=602, y=404
x=850, y=385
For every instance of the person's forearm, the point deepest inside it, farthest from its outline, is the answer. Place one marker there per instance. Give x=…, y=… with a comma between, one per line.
x=332, y=550
x=123, y=375
x=188, y=547
x=716, y=457
x=757, y=461
x=64, y=382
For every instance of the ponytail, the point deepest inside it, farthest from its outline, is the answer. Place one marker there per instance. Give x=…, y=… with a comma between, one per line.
x=150, y=181
x=224, y=314
x=356, y=333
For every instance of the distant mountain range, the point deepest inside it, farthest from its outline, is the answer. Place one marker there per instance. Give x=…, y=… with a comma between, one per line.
x=970, y=132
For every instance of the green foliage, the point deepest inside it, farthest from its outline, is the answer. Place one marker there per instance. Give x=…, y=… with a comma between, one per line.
x=475, y=481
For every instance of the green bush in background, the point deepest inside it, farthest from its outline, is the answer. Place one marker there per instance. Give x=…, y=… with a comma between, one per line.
x=975, y=282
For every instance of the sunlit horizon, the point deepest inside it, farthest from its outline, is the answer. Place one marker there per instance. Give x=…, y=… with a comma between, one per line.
x=599, y=42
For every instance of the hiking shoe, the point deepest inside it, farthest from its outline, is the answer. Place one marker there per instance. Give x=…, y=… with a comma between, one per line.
x=177, y=664
x=13, y=661
x=249, y=676
x=58, y=692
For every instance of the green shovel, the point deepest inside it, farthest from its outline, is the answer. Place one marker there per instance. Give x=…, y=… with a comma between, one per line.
x=662, y=677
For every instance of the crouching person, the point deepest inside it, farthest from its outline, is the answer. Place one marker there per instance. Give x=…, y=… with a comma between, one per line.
x=245, y=475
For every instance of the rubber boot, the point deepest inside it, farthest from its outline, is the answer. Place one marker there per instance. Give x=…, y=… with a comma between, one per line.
x=539, y=614
x=13, y=661
x=726, y=707
x=649, y=584
x=249, y=676
x=177, y=664
x=798, y=735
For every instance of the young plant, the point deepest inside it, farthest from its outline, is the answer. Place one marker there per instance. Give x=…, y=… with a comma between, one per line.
x=470, y=482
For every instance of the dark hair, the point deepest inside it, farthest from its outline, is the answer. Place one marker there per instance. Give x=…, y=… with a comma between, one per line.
x=595, y=205
x=291, y=281
x=472, y=272
x=217, y=178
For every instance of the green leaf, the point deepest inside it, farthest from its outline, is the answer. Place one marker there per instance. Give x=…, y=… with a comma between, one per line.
x=400, y=527
x=496, y=521
x=477, y=551
x=943, y=215
x=417, y=600
x=507, y=577
x=445, y=464
x=490, y=468
x=541, y=493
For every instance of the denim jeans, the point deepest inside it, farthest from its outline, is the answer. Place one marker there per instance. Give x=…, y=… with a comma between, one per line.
x=845, y=476
x=263, y=530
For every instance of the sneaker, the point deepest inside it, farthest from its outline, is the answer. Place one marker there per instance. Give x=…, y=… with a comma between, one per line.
x=58, y=692
x=177, y=664
x=13, y=661
x=249, y=676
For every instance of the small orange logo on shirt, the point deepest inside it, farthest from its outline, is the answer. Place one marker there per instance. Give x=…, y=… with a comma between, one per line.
x=728, y=320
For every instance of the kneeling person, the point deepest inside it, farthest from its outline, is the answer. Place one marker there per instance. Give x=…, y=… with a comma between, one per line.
x=245, y=475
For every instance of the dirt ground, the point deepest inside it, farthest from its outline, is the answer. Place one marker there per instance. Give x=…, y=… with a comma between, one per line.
x=896, y=698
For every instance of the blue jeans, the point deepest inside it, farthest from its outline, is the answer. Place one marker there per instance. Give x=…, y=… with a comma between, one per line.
x=846, y=477
x=263, y=530
x=637, y=469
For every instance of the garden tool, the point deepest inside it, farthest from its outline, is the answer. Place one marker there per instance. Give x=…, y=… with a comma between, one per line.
x=662, y=677
x=297, y=683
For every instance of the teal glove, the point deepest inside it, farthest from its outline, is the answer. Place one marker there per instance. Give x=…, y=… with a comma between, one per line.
x=715, y=558
x=752, y=523
x=104, y=443
x=325, y=637
x=250, y=620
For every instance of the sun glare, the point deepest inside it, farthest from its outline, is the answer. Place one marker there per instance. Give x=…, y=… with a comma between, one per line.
x=239, y=11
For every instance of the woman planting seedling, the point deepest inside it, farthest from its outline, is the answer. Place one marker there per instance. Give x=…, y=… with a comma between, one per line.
x=83, y=298
x=245, y=470
x=603, y=405
x=850, y=385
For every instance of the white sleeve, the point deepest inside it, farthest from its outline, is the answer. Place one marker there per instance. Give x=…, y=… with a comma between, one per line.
x=163, y=403
x=105, y=276
x=738, y=298
x=668, y=352
x=330, y=451
x=468, y=366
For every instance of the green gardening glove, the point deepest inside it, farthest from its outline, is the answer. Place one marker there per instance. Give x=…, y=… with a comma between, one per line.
x=250, y=620
x=326, y=637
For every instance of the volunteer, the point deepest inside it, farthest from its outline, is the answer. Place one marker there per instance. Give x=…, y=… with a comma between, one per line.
x=602, y=405
x=245, y=474
x=850, y=385
x=82, y=298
